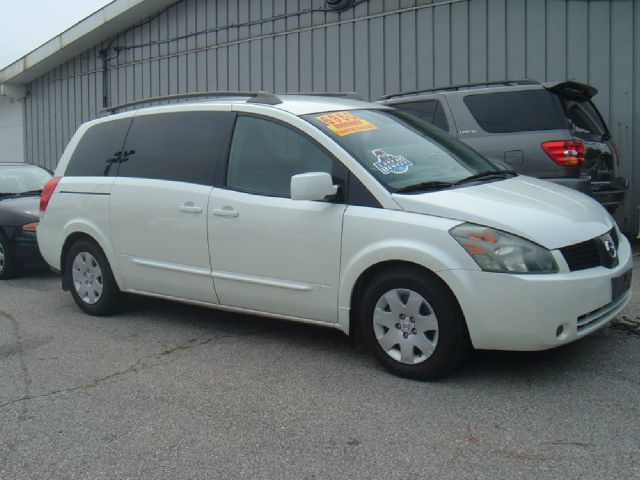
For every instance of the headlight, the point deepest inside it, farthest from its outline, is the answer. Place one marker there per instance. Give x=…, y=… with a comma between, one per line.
x=497, y=251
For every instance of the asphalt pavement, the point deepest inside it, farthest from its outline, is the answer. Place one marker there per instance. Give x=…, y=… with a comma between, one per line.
x=165, y=390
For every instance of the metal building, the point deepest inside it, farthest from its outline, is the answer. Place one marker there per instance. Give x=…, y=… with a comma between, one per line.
x=135, y=49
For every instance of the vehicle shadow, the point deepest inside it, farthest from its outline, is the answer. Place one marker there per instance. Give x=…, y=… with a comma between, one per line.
x=214, y=322
x=592, y=352
x=589, y=355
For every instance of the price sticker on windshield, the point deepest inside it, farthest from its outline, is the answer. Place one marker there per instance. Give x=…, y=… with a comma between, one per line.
x=346, y=123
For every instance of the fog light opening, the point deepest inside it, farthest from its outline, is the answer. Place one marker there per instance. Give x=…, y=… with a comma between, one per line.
x=560, y=331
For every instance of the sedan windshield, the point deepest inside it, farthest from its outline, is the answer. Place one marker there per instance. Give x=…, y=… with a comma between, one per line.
x=404, y=153
x=21, y=179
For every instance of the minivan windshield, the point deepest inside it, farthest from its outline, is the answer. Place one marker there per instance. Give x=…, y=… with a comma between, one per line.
x=404, y=153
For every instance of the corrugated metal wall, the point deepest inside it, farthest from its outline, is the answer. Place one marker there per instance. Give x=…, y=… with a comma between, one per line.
x=380, y=46
x=11, y=132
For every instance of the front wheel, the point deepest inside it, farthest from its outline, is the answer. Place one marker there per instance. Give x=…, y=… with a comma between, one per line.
x=412, y=324
x=89, y=276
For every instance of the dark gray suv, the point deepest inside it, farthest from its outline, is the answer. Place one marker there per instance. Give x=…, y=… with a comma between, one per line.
x=551, y=131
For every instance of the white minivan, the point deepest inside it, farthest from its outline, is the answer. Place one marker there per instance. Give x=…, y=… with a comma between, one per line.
x=335, y=212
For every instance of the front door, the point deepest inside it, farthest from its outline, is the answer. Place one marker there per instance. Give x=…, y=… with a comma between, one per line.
x=270, y=253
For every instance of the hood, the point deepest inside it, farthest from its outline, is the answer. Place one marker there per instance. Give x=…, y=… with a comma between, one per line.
x=29, y=205
x=543, y=212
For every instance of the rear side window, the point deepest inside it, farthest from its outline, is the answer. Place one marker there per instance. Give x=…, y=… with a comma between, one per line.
x=180, y=146
x=428, y=110
x=99, y=150
x=522, y=111
x=584, y=117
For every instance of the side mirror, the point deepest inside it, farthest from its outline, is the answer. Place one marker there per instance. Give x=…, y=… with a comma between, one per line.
x=312, y=186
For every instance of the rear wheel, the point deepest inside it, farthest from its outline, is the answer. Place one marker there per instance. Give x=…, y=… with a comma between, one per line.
x=412, y=324
x=7, y=259
x=89, y=276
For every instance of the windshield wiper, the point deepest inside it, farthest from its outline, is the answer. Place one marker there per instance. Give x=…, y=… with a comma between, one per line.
x=487, y=175
x=440, y=185
x=434, y=185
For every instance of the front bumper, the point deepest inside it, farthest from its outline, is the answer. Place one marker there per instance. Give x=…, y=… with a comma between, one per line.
x=537, y=312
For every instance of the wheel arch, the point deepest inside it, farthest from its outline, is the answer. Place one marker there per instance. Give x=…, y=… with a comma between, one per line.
x=378, y=268
x=77, y=235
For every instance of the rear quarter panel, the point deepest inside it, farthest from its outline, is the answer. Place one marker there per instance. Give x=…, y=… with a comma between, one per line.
x=79, y=205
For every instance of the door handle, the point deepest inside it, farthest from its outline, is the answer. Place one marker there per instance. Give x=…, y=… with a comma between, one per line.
x=226, y=212
x=190, y=208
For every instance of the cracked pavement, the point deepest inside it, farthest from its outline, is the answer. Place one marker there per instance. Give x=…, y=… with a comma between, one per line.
x=169, y=390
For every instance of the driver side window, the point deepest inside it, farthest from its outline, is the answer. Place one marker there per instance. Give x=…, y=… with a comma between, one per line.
x=265, y=155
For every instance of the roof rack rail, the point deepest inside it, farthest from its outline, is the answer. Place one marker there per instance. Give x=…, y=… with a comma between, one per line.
x=254, y=97
x=351, y=95
x=460, y=87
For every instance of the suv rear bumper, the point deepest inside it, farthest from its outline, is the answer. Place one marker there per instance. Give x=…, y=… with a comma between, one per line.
x=609, y=193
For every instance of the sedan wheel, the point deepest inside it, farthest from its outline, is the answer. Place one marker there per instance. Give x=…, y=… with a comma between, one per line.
x=8, y=268
x=1, y=257
x=87, y=278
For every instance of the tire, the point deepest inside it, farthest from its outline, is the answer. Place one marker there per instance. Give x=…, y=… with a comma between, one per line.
x=412, y=324
x=8, y=267
x=90, y=279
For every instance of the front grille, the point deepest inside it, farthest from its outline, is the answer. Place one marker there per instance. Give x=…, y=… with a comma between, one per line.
x=591, y=253
x=582, y=255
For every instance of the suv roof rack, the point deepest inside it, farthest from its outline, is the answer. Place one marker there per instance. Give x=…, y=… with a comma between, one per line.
x=254, y=97
x=461, y=87
x=351, y=95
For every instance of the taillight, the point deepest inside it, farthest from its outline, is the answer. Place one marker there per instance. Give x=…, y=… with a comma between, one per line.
x=47, y=193
x=566, y=153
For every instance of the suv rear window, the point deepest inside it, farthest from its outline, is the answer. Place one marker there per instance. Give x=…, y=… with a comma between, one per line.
x=507, y=112
x=428, y=110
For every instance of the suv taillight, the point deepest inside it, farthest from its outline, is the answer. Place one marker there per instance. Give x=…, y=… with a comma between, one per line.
x=47, y=193
x=566, y=153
